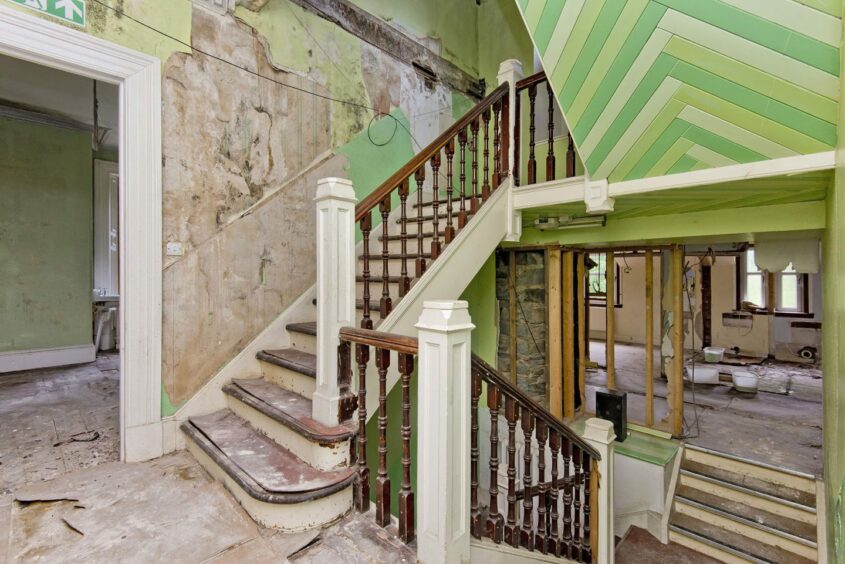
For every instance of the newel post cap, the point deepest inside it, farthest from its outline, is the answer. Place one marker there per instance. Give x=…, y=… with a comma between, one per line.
x=509, y=68
x=334, y=188
x=445, y=316
x=599, y=430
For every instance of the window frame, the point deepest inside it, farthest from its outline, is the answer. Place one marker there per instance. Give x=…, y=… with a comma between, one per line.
x=771, y=285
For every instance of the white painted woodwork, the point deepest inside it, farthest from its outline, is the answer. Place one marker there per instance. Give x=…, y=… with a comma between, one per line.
x=443, y=421
x=599, y=433
x=39, y=41
x=13, y=361
x=553, y=192
x=106, y=229
x=510, y=71
x=336, y=261
x=597, y=196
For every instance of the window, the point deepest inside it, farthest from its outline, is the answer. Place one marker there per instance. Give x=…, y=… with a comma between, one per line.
x=597, y=281
x=789, y=288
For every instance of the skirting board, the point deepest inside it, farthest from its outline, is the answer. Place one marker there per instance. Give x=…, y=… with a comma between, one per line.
x=14, y=361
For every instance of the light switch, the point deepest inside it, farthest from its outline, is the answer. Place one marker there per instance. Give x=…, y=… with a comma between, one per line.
x=175, y=250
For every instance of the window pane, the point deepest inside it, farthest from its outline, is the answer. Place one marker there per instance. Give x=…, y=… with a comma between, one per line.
x=789, y=291
x=754, y=290
x=750, y=265
x=789, y=268
x=597, y=274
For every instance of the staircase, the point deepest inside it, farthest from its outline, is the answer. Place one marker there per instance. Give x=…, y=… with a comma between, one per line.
x=287, y=469
x=736, y=510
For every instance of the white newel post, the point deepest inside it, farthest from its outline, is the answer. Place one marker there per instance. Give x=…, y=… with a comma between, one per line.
x=335, y=287
x=443, y=427
x=599, y=433
x=510, y=71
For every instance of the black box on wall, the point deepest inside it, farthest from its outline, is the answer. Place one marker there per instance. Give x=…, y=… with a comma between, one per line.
x=612, y=405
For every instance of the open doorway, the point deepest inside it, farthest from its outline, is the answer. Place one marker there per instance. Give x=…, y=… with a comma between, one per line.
x=59, y=339
x=137, y=80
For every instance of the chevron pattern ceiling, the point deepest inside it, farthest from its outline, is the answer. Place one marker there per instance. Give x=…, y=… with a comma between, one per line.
x=654, y=87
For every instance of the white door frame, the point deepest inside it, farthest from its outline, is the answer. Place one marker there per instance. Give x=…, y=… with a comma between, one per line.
x=30, y=38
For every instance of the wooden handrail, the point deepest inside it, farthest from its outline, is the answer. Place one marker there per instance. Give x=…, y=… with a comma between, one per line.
x=379, y=339
x=379, y=194
x=492, y=376
x=531, y=81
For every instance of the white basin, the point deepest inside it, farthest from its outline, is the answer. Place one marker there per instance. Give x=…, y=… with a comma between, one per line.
x=702, y=374
x=745, y=381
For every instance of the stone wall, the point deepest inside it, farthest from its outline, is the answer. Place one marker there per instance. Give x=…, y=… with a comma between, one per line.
x=530, y=282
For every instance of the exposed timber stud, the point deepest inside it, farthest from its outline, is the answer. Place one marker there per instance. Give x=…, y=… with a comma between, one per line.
x=512, y=313
x=554, y=300
x=582, y=328
x=649, y=338
x=610, y=312
x=568, y=336
x=677, y=340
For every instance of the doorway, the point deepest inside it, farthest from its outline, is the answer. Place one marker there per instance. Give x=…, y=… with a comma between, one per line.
x=136, y=78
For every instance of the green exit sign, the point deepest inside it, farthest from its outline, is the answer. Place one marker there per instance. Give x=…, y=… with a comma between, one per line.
x=72, y=11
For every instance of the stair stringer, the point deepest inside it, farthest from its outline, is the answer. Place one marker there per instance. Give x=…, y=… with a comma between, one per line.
x=447, y=277
x=210, y=397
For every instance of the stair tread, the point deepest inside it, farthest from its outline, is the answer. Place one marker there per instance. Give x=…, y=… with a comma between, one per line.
x=250, y=457
x=715, y=543
x=441, y=214
x=293, y=359
x=748, y=489
x=734, y=539
x=394, y=256
x=413, y=236
x=304, y=327
x=288, y=408
x=755, y=517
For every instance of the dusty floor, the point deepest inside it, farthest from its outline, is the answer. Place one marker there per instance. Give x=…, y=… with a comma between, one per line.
x=780, y=426
x=639, y=546
x=58, y=420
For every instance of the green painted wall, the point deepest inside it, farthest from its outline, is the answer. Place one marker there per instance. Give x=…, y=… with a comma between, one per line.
x=834, y=354
x=46, y=239
x=481, y=295
x=707, y=82
x=502, y=36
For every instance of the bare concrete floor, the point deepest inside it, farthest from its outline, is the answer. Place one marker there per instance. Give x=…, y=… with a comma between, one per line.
x=781, y=426
x=58, y=420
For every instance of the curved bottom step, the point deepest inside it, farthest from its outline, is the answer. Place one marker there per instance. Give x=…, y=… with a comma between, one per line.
x=320, y=499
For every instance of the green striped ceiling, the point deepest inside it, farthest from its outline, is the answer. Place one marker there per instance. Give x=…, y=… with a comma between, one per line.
x=654, y=87
x=807, y=187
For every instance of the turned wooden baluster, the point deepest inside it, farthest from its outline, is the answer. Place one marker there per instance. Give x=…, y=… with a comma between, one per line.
x=485, y=187
x=475, y=511
x=497, y=157
x=542, y=524
x=462, y=212
x=586, y=548
x=347, y=402
x=553, y=542
x=526, y=536
x=578, y=483
x=570, y=157
x=449, y=232
x=566, y=549
x=517, y=134
x=386, y=304
x=495, y=521
x=435, y=205
x=406, y=496
x=473, y=147
x=419, y=176
x=550, y=157
x=404, y=279
x=382, y=479
x=362, y=494
x=532, y=161
x=366, y=226
x=511, y=530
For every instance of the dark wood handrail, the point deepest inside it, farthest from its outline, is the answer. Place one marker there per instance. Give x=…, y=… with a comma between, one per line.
x=492, y=376
x=380, y=340
x=531, y=80
x=379, y=194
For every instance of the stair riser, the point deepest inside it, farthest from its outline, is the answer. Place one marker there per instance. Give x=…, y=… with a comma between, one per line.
x=320, y=457
x=303, y=342
x=285, y=517
x=289, y=379
x=376, y=287
x=705, y=549
x=394, y=246
x=750, y=500
x=751, y=533
x=779, y=479
x=394, y=267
